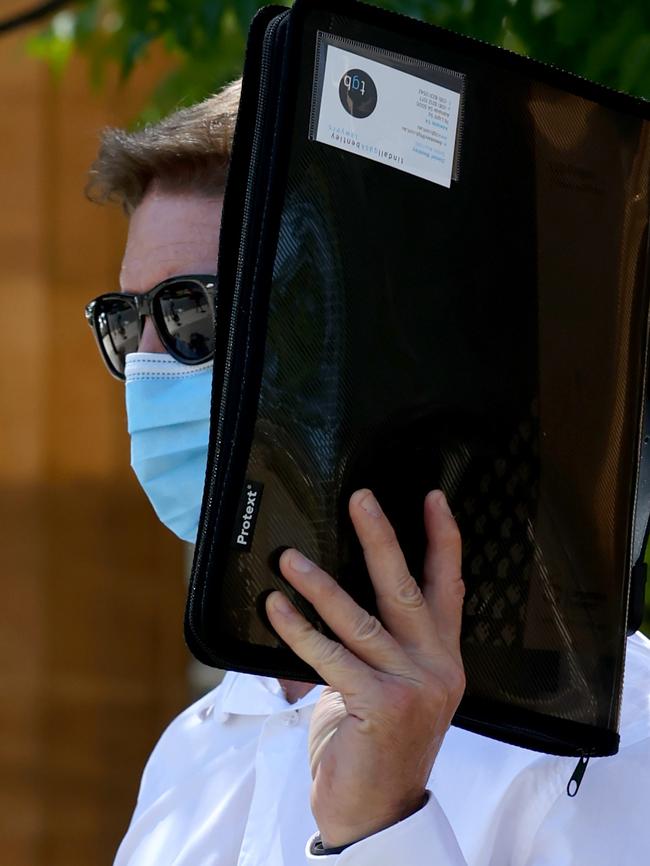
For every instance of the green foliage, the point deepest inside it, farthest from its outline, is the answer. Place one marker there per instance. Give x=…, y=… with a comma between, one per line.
x=608, y=42
x=204, y=38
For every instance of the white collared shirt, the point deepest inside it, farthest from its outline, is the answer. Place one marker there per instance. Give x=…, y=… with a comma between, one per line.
x=228, y=784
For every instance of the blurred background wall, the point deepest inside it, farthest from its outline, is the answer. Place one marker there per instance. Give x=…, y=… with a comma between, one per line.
x=92, y=659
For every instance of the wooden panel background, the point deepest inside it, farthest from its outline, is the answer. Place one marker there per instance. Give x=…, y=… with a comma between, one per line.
x=92, y=660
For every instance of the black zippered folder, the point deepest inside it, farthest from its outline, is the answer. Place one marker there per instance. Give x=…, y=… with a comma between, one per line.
x=433, y=272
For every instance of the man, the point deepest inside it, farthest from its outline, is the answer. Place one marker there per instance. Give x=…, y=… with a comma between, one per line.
x=367, y=771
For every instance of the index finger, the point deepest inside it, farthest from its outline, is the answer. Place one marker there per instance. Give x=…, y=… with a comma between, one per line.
x=334, y=662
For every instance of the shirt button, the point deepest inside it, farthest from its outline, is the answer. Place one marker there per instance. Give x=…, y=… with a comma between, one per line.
x=206, y=712
x=291, y=718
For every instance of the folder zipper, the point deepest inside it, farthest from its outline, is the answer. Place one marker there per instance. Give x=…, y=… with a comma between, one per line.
x=578, y=775
x=252, y=171
x=255, y=148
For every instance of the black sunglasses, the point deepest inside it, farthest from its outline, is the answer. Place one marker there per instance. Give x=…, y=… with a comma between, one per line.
x=181, y=308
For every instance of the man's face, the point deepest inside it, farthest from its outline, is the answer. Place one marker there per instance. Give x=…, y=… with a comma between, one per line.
x=170, y=234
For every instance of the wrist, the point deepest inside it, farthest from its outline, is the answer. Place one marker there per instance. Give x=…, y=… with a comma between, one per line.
x=342, y=836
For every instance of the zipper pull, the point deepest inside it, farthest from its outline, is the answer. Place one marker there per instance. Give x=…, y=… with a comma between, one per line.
x=576, y=780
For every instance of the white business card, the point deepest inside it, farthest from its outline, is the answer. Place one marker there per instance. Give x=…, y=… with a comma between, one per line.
x=387, y=115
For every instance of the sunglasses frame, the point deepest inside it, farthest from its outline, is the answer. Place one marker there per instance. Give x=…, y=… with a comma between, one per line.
x=144, y=306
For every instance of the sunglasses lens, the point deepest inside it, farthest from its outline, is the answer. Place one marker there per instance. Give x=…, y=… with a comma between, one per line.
x=116, y=322
x=184, y=315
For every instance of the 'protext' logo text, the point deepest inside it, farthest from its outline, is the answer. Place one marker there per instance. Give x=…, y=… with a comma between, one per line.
x=249, y=507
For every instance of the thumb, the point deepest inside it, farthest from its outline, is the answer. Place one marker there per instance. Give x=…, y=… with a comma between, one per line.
x=328, y=714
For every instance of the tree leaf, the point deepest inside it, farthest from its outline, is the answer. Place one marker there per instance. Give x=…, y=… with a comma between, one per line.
x=635, y=68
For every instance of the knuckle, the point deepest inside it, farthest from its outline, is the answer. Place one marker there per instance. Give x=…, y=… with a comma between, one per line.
x=328, y=589
x=331, y=653
x=448, y=686
x=456, y=590
x=401, y=698
x=456, y=683
x=408, y=592
x=367, y=627
x=437, y=693
x=304, y=632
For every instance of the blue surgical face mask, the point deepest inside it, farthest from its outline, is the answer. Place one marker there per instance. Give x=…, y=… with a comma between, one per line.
x=168, y=414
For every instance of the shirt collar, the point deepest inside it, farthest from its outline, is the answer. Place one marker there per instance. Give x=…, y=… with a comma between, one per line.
x=254, y=695
x=635, y=712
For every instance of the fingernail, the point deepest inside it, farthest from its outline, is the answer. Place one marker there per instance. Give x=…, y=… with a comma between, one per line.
x=370, y=505
x=280, y=604
x=441, y=501
x=300, y=563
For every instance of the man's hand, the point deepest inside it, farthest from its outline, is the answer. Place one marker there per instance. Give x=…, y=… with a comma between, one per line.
x=394, y=687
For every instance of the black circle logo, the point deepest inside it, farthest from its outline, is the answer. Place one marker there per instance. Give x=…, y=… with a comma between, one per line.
x=358, y=93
